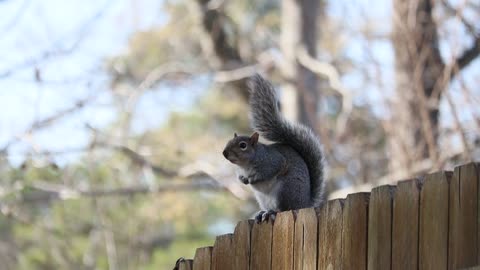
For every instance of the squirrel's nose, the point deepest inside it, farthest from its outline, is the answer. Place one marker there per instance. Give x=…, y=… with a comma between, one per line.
x=225, y=154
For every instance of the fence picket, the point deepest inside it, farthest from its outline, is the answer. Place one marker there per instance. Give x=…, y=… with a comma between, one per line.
x=305, y=240
x=380, y=228
x=241, y=242
x=330, y=235
x=405, y=225
x=261, y=247
x=355, y=222
x=432, y=223
x=433, y=230
x=203, y=258
x=463, y=248
x=282, y=244
x=222, y=253
x=185, y=265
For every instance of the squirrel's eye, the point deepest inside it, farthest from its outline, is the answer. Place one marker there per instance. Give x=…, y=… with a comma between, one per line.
x=243, y=145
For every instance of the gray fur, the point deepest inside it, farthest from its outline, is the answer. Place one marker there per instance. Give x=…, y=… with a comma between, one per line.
x=295, y=142
x=279, y=178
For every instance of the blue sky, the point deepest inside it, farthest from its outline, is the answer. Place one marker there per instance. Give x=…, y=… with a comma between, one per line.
x=29, y=29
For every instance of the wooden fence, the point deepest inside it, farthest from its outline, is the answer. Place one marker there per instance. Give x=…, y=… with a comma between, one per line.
x=430, y=223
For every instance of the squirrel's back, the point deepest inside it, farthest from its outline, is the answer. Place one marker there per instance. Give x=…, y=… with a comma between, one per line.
x=267, y=119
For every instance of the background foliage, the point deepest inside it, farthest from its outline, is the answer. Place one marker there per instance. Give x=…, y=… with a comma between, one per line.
x=111, y=136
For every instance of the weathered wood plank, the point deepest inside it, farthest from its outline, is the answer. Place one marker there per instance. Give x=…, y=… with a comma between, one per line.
x=453, y=220
x=477, y=165
x=330, y=236
x=185, y=265
x=472, y=268
x=305, y=240
x=203, y=258
x=433, y=230
x=322, y=232
x=261, y=246
x=463, y=248
x=469, y=215
x=241, y=242
x=380, y=228
x=223, y=252
x=405, y=225
x=282, y=244
x=355, y=222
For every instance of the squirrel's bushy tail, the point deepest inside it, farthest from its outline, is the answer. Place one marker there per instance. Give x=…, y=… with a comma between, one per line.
x=267, y=119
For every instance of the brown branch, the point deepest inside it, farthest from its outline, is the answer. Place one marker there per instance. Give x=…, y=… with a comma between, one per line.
x=471, y=53
x=45, y=192
x=46, y=122
x=216, y=24
x=140, y=160
x=457, y=13
x=468, y=56
x=329, y=72
x=134, y=156
x=458, y=126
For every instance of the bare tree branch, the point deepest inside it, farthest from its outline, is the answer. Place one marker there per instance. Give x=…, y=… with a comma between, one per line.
x=139, y=159
x=47, y=122
x=83, y=32
x=14, y=20
x=458, y=126
x=215, y=23
x=457, y=13
x=45, y=191
x=329, y=72
x=468, y=56
x=471, y=53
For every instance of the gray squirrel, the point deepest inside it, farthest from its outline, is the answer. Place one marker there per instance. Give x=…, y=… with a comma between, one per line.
x=284, y=175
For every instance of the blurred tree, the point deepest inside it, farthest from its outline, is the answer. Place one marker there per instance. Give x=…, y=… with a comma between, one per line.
x=137, y=198
x=422, y=77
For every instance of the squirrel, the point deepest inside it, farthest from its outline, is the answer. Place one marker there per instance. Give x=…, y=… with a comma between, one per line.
x=286, y=174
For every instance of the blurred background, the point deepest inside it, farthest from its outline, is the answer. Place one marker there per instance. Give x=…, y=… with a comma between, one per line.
x=114, y=114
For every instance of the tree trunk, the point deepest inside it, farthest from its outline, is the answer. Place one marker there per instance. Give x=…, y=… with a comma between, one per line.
x=300, y=93
x=419, y=84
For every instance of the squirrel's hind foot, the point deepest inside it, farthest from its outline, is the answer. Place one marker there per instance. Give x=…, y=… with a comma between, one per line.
x=265, y=216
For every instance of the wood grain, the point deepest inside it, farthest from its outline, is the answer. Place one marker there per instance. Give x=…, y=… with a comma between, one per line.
x=282, y=244
x=203, y=258
x=433, y=230
x=453, y=219
x=405, y=225
x=261, y=246
x=330, y=236
x=469, y=215
x=463, y=248
x=185, y=265
x=223, y=252
x=355, y=222
x=380, y=228
x=241, y=243
x=305, y=240
x=322, y=213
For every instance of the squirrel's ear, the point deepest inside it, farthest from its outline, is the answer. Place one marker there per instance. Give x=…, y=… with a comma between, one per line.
x=235, y=135
x=254, y=138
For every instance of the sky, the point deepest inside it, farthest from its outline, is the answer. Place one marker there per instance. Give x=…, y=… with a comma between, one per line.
x=30, y=30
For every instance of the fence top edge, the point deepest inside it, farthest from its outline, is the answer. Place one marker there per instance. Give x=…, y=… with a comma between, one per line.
x=223, y=237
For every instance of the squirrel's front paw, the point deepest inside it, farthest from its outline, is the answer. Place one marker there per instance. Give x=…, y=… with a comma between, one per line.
x=243, y=179
x=265, y=216
x=253, y=178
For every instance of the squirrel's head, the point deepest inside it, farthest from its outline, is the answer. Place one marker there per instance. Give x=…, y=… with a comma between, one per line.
x=241, y=149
